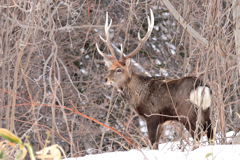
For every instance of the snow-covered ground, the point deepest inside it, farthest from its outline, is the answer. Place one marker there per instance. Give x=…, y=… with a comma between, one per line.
x=217, y=152
x=171, y=151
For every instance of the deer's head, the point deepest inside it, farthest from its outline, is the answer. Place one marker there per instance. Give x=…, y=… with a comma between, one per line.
x=120, y=70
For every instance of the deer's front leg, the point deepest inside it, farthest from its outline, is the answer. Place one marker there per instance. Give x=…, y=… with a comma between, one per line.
x=152, y=126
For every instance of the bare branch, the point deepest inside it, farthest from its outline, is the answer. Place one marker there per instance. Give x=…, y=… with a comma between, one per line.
x=190, y=30
x=180, y=19
x=144, y=39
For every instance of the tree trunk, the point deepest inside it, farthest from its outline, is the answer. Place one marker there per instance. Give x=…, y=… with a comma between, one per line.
x=236, y=19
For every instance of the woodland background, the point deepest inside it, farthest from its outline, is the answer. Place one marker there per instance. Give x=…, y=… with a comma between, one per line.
x=48, y=57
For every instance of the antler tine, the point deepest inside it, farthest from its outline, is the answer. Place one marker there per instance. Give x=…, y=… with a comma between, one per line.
x=143, y=40
x=103, y=54
x=121, y=54
x=107, y=41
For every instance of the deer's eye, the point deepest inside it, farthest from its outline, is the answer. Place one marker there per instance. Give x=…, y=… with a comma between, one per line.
x=119, y=70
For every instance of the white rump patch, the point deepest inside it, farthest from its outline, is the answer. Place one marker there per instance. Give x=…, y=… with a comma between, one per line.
x=201, y=98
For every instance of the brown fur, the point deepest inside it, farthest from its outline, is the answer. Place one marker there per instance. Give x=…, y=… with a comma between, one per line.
x=157, y=99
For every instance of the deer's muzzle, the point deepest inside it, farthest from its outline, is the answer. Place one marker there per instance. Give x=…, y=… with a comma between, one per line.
x=105, y=80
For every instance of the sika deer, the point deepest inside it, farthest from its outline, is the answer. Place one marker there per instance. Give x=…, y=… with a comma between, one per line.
x=155, y=99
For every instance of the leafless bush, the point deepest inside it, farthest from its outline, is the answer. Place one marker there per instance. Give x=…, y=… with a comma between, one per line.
x=48, y=57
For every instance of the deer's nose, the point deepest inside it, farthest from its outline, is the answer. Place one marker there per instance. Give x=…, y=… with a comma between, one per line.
x=105, y=80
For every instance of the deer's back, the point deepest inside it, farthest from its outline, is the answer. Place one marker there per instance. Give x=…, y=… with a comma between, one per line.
x=167, y=97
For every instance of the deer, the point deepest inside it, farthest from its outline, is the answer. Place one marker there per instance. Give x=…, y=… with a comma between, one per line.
x=158, y=99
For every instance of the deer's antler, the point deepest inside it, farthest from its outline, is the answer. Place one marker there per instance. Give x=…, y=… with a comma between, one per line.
x=140, y=44
x=141, y=40
x=107, y=41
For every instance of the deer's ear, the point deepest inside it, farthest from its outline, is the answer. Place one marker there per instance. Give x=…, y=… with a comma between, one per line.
x=129, y=66
x=108, y=63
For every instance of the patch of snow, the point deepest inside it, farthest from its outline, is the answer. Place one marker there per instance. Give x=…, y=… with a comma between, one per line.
x=165, y=13
x=217, y=152
x=156, y=28
x=119, y=125
x=158, y=7
x=154, y=38
x=155, y=48
x=111, y=30
x=157, y=62
x=90, y=151
x=82, y=50
x=143, y=126
x=229, y=137
x=164, y=37
x=172, y=51
x=84, y=71
x=172, y=46
x=164, y=72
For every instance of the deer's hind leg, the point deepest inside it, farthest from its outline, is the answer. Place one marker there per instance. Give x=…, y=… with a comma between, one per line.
x=207, y=123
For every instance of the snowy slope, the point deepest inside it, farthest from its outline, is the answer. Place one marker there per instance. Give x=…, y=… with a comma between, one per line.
x=217, y=152
x=171, y=151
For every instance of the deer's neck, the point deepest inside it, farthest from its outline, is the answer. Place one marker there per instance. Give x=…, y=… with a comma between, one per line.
x=134, y=90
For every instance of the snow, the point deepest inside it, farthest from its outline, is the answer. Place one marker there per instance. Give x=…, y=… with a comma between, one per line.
x=143, y=126
x=172, y=150
x=217, y=152
x=82, y=50
x=164, y=72
x=84, y=71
